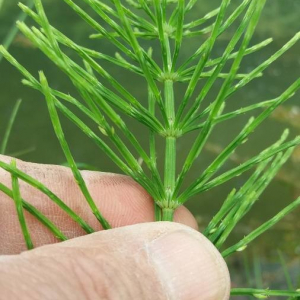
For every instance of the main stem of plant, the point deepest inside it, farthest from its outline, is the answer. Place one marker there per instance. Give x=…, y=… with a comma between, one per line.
x=170, y=153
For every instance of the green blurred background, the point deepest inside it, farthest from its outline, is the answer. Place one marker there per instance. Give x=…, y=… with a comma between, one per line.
x=33, y=130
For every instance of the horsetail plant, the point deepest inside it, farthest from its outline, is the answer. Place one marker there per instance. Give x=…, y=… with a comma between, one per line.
x=107, y=103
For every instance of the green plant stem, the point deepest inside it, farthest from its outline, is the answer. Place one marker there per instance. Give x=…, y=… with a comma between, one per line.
x=263, y=293
x=167, y=214
x=19, y=207
x=170, y=152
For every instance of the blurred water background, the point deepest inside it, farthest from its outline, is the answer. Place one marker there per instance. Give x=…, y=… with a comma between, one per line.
x=259, y=265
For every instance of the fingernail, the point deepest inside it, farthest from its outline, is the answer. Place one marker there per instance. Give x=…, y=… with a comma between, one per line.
x=189, y=266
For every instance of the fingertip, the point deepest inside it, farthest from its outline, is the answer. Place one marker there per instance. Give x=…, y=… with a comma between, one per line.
x=175, y=260
x=189, y=266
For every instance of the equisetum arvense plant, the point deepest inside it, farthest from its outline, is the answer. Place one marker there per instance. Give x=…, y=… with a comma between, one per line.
x=132, y=27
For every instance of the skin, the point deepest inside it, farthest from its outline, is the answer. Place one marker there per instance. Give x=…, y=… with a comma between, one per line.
x=158, y=260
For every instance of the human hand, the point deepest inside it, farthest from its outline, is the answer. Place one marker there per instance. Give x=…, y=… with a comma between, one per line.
x=158, y=260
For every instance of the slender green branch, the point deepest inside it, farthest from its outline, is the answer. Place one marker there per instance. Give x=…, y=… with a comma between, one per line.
x=59, y=133
x=261, y=229
x=160, y=21
x=179, y=32
x=241, y=53
x=237, y=12
x=63, y=39
x=140, y=56
x=102, y=145
x=153, y=155
x=235, y=113
x=266, y=63
x=206, y=53
x=263, y=293
x=269, y=152
x=36, y=184
x=146, y=8
x=19, y=207
x=248, y=51
x=251, y=196
x=240, y=138
x=79, y=123
x=219, y=102
x=37, y=214
x=202, y=20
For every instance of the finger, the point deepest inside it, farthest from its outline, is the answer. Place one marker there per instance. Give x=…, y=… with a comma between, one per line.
x=120, y=199
x=147, y=261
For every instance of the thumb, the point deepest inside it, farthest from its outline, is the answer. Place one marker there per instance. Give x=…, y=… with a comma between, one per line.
x=146, y=261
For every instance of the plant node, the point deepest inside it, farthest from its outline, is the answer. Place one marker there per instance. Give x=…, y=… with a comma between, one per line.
x=169, y=29
x=171, y=132
x=164, y=76
x=168, y=204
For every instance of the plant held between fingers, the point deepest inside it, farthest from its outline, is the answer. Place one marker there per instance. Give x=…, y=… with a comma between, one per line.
x=107, y=103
